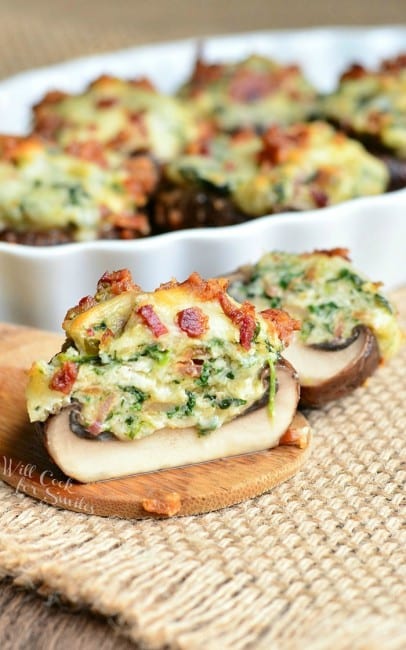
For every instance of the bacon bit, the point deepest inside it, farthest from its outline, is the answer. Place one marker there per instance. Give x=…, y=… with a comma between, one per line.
x=243, y=317
x=249, y=86
x=356, y=71
x=278, y=143
x=296, y=437
x=319, y=197
x=85, y=303
x=102, y=412
x=116, y=282
x=152, y=320
x=137, y=119
x=394, y=65
x=143, y=83
x=9, y=146
x=284, y=324
x=52, y=97
x=163, y=504
x=244, y=135
x=106, y=102
x=143, y=177
x=332, y=252
x=134, y=224
x=122, y=138
x=106, y=337
x=192, y=321
x=90, y=150
x=64, y=378
x=190, y=367
x=201, y=146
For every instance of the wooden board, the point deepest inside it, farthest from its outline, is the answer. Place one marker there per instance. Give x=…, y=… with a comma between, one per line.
x=25, y=465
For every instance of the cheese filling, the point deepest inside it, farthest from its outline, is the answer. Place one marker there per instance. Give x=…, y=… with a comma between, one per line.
x=185, y=355
x=325, y=293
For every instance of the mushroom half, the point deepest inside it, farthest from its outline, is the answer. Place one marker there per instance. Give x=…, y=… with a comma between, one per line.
x=329, y=370
x=334, y=370
x=89, y=460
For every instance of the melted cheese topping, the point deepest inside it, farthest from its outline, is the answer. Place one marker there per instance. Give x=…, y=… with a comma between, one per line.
x=302, y=167
x=254, y=92
x=325, y=293
x=135, y=364
x=122, y=115
x=372, y=103
x=41, y=188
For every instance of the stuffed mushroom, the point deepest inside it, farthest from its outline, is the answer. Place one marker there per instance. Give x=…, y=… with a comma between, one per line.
x=147, y=381
x=347, y=325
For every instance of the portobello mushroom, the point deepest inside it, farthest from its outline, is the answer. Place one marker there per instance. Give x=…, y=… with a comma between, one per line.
x=330, y=372
x=160, y=379
x=347, y=326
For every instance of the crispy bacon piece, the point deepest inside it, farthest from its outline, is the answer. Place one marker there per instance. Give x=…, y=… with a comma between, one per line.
x=356, y=71
x=64, y=378
x=163, y=504
x=47, y=123
x=143, y=177
x=331, y=252
x=394, y=65
x=284, y=324
x=89, y=150
x=106, y=102
x=192, y=321
x=190, y=367
x=116, y=282
x=131, y=225
x=295, y=437
x=85, y=303
x=279, y=143
x=242, y=316
x=152, y=320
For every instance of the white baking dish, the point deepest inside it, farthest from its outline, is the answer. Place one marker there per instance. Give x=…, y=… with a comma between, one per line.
x=38, y=284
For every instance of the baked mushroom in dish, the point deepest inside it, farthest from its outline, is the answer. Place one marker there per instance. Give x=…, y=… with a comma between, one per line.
x=126, y=116
x=370, y=105
x=180, y=375
x=347, y=325
x=49, y=196
x=229, y=179
x=255, y=92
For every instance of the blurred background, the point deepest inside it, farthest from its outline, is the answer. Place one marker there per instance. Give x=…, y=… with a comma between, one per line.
x=39, y=32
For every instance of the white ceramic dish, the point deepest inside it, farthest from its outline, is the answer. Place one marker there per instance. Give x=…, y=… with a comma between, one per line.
x=37, y=285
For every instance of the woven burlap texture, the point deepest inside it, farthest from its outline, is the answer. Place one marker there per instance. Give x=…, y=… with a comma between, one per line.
x=318, y=563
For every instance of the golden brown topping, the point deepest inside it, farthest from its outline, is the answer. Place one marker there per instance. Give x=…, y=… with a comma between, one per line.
x=284, y=324
x=278, y=143
x=116, y=282
x=90, y=150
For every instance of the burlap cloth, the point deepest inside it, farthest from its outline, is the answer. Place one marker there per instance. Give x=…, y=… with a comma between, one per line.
x=318, y=563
